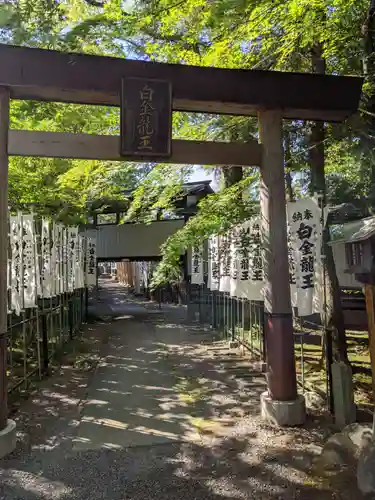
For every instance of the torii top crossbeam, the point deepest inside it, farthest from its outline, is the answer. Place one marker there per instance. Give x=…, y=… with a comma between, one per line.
x=55, y=76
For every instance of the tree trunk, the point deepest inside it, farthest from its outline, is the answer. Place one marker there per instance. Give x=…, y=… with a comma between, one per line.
x=232, y=175
x=368, y=138
x=335, y=316
x=288, y=166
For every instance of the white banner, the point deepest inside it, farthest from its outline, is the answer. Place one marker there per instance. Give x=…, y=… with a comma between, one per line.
x=79, y=263
x=144, y=274
x=64, y=257
x=47, y=271
x=141, y=275
x=91, y=262
x=16, y=264
x=234, y=261
x=213, y=263
x=29, y=261
x=136, y=274
x=197, y=275
x=37, y=257
x=256, y=260
x=248, y=278
x=57, y=259
x=305, y=241
x=225, y=262
x=72, y=234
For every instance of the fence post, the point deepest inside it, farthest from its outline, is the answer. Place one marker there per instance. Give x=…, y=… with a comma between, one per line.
x=233, y=318
x=214, y=316
x=86, y=304
x=224, y=315
x=262, y=328
x=200, y=303
x=70, y=317
x=45, y=355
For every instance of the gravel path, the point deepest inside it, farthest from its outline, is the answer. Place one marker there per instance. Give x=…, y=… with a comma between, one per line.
x=219, y=447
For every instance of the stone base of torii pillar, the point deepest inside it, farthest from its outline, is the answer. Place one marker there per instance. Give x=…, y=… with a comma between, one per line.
x=283, y=413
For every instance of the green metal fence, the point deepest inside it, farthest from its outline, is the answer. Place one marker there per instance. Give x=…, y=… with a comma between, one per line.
x=232, y=317
x=240, y=319
x=38, y=337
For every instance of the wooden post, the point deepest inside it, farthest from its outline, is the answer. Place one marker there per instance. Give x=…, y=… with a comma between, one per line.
x=370, y=308
x=4, y=127
x=281, y=371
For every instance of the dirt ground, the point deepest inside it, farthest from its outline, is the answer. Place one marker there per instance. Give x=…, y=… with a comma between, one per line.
x=168, y=412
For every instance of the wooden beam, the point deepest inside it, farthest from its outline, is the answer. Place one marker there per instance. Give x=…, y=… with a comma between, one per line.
x=107, y=147
x=55, y=76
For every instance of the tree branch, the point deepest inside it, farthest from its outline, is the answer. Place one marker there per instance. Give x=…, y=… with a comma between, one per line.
x=95, y=3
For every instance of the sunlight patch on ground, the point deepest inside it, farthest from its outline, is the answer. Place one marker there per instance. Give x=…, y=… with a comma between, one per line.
x=96, y=402
x=155, y=432
x=37, y=485
x=205, y=425
x=61, y=397
x=114, y=424
x=127, y=316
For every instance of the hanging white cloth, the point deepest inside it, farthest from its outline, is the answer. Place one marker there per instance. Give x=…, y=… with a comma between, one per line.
x=29, y=264
x=91, y=261
x=249, y=282
x=16, y=281
x=213, y=263
x=197, y=274
x=47, y=270
x=305, y=242
x=79, y=264
x=72, y=233
x=225, y=262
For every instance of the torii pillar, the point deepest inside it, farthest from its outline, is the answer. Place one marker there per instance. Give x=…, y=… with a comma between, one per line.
x=280, y=404
x=7, y=427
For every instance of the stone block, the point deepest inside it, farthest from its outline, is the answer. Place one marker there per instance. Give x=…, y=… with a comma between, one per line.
x=343, y=394
x=8, y=439
x=343, y=448
x=366, y=470
x=283, y=413
x=314, y=400
x=260, y=366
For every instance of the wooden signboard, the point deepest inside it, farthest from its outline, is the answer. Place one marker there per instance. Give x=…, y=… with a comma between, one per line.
x=146, y=119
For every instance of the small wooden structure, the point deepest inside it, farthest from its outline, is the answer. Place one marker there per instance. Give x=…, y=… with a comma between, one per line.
x=33, y=74
x=359, y=240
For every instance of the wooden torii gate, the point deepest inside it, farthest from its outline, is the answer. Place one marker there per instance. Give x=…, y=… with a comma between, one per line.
x=34, y=74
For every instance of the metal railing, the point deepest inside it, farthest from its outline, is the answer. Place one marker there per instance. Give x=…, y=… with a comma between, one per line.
x=240, y=319
x=232, y=317
x=38, y=337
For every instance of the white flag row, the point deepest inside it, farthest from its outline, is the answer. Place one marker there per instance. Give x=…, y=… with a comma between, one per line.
x=236, y=259
x=46, y=259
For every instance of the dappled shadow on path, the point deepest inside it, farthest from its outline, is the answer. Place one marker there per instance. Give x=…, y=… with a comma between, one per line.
x=167, y=415
x=183, y=471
